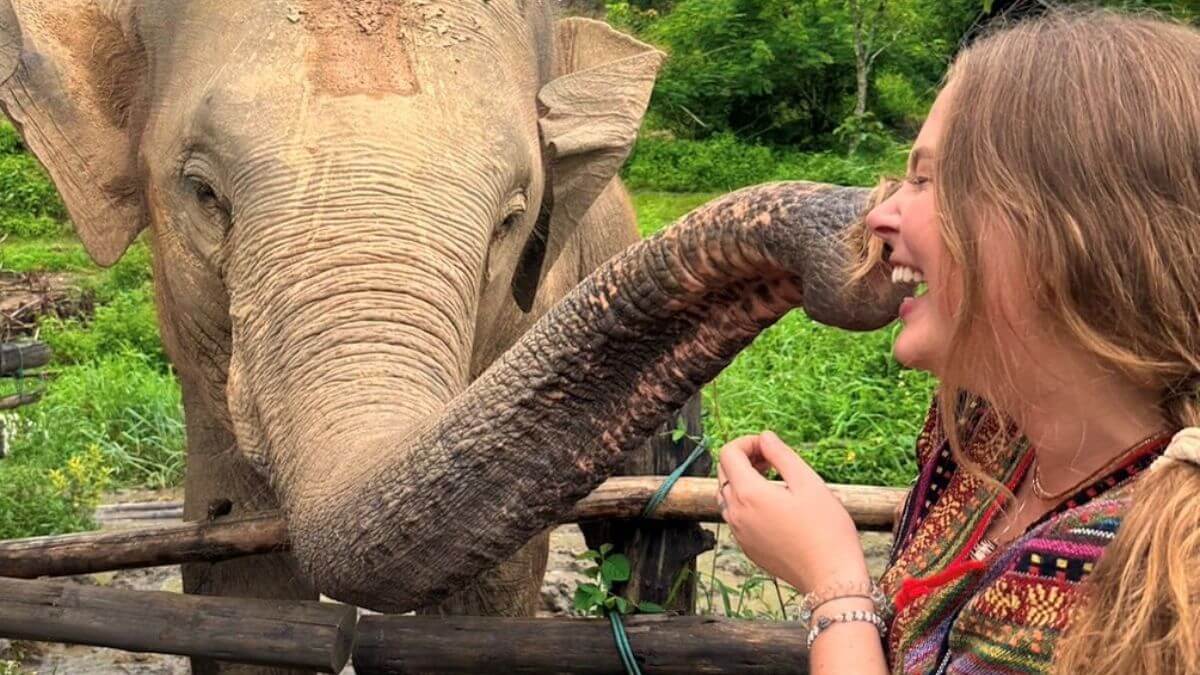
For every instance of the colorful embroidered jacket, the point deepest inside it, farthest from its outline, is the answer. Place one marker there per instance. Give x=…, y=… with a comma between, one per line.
x=959, y=609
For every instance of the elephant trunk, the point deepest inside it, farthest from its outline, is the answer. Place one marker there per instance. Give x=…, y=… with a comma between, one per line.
x=549, y=420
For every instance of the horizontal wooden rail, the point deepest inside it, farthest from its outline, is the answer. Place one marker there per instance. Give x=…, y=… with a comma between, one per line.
x=143, y=547
x=308, y=635
x=661, y=644
x=15, y=358
x=17, y=400
x=872, y=508
x=320, y=636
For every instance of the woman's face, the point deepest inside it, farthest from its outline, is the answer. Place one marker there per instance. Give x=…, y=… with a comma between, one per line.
x=907, y=221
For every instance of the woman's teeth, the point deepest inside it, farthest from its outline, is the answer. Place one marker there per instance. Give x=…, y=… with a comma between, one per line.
x=906, y=275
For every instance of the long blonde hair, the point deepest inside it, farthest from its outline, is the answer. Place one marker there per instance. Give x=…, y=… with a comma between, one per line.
x=1077, y=136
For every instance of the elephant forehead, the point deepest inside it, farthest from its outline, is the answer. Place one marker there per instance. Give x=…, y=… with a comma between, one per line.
x=360, y=47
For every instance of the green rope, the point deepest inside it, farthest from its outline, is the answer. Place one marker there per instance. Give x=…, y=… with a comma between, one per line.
x=623, y=647
x=658, y=497
x=656, y=500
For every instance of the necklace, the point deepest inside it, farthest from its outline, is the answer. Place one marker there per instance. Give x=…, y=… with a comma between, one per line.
x=1044, y=494
x=988, y=545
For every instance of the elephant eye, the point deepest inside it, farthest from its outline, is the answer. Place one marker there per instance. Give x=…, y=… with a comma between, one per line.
x=515, y=210
x=208, y=199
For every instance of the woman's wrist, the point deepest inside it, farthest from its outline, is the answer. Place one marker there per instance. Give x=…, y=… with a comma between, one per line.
x=849, y=594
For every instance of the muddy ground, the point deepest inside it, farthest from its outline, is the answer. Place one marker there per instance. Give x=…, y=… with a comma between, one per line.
x=563, y=573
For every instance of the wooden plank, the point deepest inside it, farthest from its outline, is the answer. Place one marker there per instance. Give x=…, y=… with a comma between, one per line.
x=661, y=644
x=872, y=508
x=15, y=358
x=310, y=635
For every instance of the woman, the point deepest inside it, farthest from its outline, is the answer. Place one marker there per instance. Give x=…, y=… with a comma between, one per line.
x=1052, y=207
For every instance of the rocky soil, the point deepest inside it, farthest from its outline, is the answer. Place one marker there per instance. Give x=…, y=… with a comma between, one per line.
x=731, y=568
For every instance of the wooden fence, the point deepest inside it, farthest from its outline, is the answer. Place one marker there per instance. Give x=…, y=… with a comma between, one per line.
x=322, y=636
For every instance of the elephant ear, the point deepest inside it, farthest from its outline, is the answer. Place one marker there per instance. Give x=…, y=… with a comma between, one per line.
x=589, y=118
x=73, y=75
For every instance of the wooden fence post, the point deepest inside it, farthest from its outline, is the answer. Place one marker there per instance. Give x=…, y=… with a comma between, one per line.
x=659, y=551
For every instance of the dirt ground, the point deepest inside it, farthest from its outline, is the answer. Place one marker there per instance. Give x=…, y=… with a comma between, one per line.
x=563, y=573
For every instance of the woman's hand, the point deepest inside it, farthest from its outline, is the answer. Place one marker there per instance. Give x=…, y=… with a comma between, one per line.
x=796, y=529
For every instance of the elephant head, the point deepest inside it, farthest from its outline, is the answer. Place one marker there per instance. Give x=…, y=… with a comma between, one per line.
x=357, y=205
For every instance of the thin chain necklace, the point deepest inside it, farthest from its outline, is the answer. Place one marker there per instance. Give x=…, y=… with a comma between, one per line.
x=987, y=545
x=1044, y=494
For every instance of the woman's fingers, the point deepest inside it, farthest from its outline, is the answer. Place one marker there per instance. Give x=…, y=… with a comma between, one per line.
x=794, y=471
x=735, y=461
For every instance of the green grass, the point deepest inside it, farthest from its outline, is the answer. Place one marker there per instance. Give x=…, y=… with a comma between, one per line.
x=838, y=397
x=657, y=210
x=723, y=163
x=59, y=254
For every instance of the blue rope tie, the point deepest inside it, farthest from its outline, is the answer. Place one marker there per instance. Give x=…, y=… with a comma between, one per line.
x=656, y=500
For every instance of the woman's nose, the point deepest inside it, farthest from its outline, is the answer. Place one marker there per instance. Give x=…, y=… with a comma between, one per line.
x=884, y=220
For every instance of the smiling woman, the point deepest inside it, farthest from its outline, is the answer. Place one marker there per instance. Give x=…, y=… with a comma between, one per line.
x=1052, y=206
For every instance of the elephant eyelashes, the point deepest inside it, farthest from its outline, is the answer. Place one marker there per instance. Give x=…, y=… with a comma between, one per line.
x=212, y=204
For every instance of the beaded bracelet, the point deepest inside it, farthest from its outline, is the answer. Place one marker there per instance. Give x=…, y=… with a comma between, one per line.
x=857, y=615
x=811, y=602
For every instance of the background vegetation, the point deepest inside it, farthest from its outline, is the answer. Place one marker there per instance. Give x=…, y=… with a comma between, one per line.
x=754, y=91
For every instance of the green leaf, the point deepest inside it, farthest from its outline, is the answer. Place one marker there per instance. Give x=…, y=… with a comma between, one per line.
x=725, y=597
x=615, y=568
x=622, y=605
x=987, y=6
x=605, y=548
x=650, y=608
x=583, y=600
x=680, y=430
x=681, y=578
x=588, y=555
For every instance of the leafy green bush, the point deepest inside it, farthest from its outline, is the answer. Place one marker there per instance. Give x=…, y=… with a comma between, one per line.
x=900, y=104
x=718, y=163
x=10, y=140
x=31, y=227
x=840, y=169
x=126, y=323
x=26, y=190
x=35, y=501
x=132, y=272
x=723, y=163
x=44, y=255
x=122, y=404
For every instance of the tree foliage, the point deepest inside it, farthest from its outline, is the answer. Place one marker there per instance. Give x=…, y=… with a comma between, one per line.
x=783, y=71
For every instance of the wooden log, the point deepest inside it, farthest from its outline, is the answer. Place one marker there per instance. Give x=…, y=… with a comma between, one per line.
x=309, y=635
x=15, y=358
x=72, y=554
x=661, y=644
x=659, y=551
x=18, y=400
x=872, y=508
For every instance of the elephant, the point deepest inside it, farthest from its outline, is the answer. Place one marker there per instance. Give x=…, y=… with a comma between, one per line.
x=367, y=218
